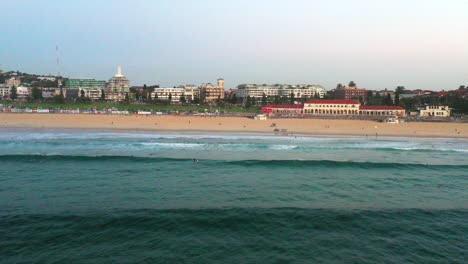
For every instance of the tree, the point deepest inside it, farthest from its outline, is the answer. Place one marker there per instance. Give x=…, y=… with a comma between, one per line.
x=36, y=93
x=13, y=93
x=369, y=96
x=149, y=99
x=339, y=86
x=247, y=102
x=291, y=98
x=127, y=98
x=388, y=99
x=182, y=99
x=196, y=100
x=60, y=99
x=277, y=99
x=103, y=95
x=352, y=84
x=82, y=94
x=234, y=99
x=398, y=91
x=264, y=99
x=170, y=97
x=145, y=91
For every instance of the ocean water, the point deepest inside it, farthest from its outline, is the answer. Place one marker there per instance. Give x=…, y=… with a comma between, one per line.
x=101, y=196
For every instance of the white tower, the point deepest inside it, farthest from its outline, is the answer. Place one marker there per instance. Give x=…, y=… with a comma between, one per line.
x=119, y=72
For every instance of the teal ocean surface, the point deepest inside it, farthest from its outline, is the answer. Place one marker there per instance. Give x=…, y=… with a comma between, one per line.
x=101, y=196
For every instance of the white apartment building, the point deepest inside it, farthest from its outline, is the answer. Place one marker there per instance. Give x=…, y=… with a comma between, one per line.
x=22, y=92
x=299, y=91
x=5, y=91
x=436, y=111
x=189, y=91
x=94, y=93
x=47, y=78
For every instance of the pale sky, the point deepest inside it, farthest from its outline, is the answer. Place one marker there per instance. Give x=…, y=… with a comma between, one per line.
x=421, y=44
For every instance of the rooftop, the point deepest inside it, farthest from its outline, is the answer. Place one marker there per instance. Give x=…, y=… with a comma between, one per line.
x=332, y=101
x=283, y=106
x=380, y=107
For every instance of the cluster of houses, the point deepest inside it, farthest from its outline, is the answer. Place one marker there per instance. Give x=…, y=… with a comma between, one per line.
x=347, y=107
x=116, y=89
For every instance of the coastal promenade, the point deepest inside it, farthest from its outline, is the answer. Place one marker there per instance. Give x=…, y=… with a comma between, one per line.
x=234, y=124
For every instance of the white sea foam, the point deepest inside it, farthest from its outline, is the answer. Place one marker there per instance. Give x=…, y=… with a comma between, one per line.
x=30, y=139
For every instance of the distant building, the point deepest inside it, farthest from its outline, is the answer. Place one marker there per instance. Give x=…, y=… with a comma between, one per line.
x=47, y=78
x=118, y=87
x=163, y=93
x=5, y=91
x=299, y=91
x=209, y=92
x=50, y=92
x=83, y=83
x=93, y=93
x=348, y=93
x=22, y=92
x=435, y=111
x=13, y=81
x=190, y=92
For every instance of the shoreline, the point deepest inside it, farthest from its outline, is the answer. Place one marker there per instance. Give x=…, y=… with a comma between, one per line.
x=331, y=127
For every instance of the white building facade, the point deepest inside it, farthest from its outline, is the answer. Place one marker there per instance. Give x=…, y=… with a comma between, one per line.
x=299, y=91
x=190, y=92
x=436, y=111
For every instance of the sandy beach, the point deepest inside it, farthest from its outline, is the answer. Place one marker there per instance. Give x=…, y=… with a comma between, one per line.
x=233, y=124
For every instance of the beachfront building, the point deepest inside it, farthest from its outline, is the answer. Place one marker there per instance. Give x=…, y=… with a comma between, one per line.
x=118, y=87
x=93, y=93
x=282, y=109
x=381, y=110
x=190, y=92
x=83, y=83
x=299, y=91
x=210, y=92
x=91, y=88
x=164, y=93
x=335, y=107
x=435, y=111
x=331, y=107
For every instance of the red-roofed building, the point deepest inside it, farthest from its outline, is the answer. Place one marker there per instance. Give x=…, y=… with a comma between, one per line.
x=381, y=110
x=332, y=107
x=282, y=109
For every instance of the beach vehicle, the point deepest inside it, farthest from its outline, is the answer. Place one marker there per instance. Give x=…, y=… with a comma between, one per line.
x=392, y=120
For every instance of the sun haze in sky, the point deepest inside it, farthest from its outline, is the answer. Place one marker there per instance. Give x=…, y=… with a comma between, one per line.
x=421, y=44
